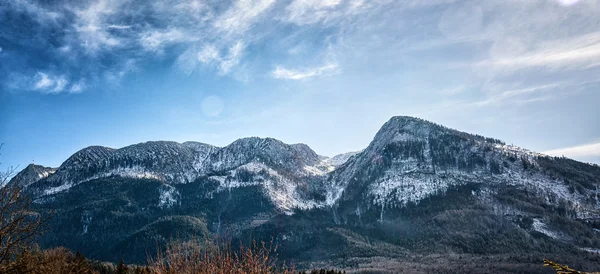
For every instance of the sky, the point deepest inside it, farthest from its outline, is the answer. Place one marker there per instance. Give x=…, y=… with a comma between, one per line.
x=327, y=73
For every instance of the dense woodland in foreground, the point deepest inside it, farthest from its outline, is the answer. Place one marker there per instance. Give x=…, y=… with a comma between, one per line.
x=20, y=254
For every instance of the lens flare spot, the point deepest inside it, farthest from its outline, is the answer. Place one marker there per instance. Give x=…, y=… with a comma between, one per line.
x=567, y=2
x=212, y=106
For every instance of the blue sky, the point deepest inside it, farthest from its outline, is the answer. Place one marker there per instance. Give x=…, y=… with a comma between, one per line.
x=327, y=73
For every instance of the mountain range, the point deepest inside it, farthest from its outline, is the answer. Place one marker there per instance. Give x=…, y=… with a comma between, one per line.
x=418, y=189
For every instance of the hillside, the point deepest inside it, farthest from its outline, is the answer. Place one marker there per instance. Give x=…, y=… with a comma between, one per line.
x=417, y=189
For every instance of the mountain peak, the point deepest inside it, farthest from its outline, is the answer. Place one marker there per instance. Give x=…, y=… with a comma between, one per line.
x=89, y=155
x=409, y=123
x=305, y=151
x=406, y=118
x=31, y=174
x=401, y=127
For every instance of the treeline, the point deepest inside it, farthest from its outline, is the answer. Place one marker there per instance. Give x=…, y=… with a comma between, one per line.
x=179, y=257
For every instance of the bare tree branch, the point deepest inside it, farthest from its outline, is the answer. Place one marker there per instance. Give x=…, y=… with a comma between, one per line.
x=19, y=224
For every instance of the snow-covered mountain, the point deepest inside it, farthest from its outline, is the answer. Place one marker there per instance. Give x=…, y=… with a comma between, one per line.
x=284, y=170
x=413, y=172
x=411, y=159
x=408, y=160
x=31, y=174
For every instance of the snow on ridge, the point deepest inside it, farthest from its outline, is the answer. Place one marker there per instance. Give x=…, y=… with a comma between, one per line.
x=327, y=164
x=167, y=196
x=281, y=190
x=543, y=228
x=334, y=193
x=341, y=159
x=591, y=250
x=135, y=172
x=57, y=189
x=518, y=150
x=407, y=188
x=318, y=171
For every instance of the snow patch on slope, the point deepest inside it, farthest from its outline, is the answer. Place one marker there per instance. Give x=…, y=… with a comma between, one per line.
x=54, y=190
x=281, y=190
x=167, y=196
x=543, y=228
x=402, y=189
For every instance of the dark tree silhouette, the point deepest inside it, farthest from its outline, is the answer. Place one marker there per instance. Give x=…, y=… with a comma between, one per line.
x=18, y=223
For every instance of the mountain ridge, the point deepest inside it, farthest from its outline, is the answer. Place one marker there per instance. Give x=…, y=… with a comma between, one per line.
x=416, y=181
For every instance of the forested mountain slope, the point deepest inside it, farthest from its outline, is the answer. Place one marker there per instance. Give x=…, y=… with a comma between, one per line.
x=418, y=188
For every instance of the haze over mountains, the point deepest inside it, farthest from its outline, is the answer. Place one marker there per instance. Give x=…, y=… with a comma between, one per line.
x=418, y=188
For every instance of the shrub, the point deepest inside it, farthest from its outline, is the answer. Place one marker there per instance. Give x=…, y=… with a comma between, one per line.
x=209, y=258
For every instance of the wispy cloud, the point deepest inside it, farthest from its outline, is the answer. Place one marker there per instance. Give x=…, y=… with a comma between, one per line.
x=573, y=52
x=77, y=87
x=507, y=94
x=114, y=76
x=118, y=27
x=49, y=83
x=154, y=40
x=283, y=73
x=99, y=40
x=241, y=15
x=38, y=13
x=585, y=150
x=60, y=84
x=211, y=57
x=92, y=27
x=304, y=12
x=43, y=81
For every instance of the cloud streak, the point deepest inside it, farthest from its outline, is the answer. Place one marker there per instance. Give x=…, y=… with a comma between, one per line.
x=155, y=40
x=501, y=41
x=241, y=15
x=585, y=150
x=291, y=74
x=51, y=84
x=211, y=57
x=574, y=52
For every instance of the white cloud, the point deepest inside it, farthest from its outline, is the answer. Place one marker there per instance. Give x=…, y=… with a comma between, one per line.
x=454, y=90
x=154, y=40
x=38, y=13
x=118, y=27
x=585, y=150
x=60, y=83
x=304, y=12
x=243, y=13
x=91, y=26
x=233, y=57
x=188, y=15
x=504, y=95
x=48, y=83
x=567, y=53
x=115, y=76
x=43, y=81
x=283, y=73
x=77, y=87
x=210, y=56
x=567, y=2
